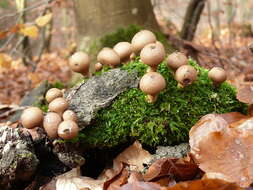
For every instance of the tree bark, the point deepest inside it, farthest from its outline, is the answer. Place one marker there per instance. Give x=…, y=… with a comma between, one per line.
x=191, y=19
x=98, y=17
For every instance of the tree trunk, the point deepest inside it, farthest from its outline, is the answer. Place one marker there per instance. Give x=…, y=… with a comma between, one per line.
x=191, y=19
x=98, y=17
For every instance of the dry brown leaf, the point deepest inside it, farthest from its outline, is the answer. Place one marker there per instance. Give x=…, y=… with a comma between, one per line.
x=207, y=184
x=223, y=151
x=178, y=169
x=135, y=157
x=245, y=94
x=30, y=31
x=119, y=181
x=73, y=181
x=139, y=185
x=44, y=20
x=5, y=61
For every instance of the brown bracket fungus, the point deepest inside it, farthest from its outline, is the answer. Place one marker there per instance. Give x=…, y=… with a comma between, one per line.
x=107, y=56
x=98, y=67
x=31, y=117
x=51, y=123
x=152, y=55
x=69, y=115
x=124, y=50
x=141, y=39
x=80, y=62
x=68, y=129
x=186, y=75
x=176, y=60
x=217, y=75
x=58, y=105
x=152, y=83
x=52, y=94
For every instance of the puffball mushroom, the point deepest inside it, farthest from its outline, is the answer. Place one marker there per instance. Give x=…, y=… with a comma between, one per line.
x=176, y=60
x=141, y=39
x=152, y=55
x=68, y=130
x=107, y=56
x=51, y=123
x=80, y=62
x=98, y=66
x=69, y=115
x=31, y=117
x=152, y=83
x=124, y=50
x=217, y=75
x=186, y=75
x=58, y=105
x=52, y=94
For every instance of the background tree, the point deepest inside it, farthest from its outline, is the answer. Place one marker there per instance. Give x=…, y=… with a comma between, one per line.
x=98, y=17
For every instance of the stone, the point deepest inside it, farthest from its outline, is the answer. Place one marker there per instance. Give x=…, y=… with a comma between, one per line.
x=98, y=92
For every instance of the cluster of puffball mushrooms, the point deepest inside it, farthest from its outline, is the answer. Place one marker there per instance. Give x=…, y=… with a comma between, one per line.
x=152, y=53
x=58, y=122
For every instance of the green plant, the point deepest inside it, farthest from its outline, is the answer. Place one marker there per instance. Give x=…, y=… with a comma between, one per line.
x=165, y=122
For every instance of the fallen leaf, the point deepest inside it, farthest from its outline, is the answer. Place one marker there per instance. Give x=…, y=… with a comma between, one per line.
x=30, y=31
x=178, y=169
x=44, y=20
x=223, y=151
x=207, y=184
x=138, y=185
x=135, y=157
x=73, y=181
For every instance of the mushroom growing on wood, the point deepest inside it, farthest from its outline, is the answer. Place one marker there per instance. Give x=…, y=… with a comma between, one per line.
x=31, y=117
x=51, y=123
x=68, y=130
x=58, y=105
x=107, y=56
x=98, y=66
x=80, y=62
x=176, y=60
x=152, y=83
x=124, y=50
x=152, y=55
x=69, y=115
x=186, y=75
x=52, y=94
x=141, y=39
x=217, y=75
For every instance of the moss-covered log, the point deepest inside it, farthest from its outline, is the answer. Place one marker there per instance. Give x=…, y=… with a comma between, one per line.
x=165, y=122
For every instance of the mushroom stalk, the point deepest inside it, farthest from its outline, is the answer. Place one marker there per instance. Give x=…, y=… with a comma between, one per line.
x=151, y=98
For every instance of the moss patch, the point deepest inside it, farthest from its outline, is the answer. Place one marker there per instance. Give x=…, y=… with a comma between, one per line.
x=165, y=122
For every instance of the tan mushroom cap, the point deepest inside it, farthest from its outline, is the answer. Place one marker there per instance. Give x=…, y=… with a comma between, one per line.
x=152, y=83
x=69, y=115
x=141, y=39
x=31, y=117
x=176, y=60
x=80, y=62
x=186, y=75
x=68, y=130
x=58, y=105
x=217, y=75
x=124, y=50
x=98, y=66
x=107, y=56
x=51, y=123
x=152, y=54
x=52, y=94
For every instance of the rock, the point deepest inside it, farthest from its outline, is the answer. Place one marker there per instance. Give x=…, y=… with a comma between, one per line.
x=178, y=151
x=98, y=92
x=17, y=158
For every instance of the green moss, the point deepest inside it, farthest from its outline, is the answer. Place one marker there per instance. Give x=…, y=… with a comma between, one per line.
x=165, y=122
